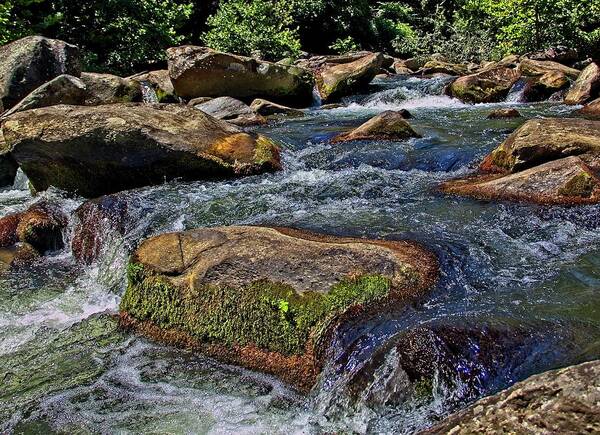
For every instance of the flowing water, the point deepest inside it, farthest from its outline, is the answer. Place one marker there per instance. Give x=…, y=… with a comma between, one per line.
x=518, y=292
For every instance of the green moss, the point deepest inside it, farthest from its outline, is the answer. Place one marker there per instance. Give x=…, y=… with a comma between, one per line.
x=269, y=315
x=264, y=151
x=581, y=185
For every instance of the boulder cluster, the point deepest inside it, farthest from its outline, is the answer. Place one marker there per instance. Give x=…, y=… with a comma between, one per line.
x=272, y=299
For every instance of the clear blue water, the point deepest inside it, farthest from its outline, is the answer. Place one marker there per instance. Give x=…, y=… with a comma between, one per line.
x=519, y=282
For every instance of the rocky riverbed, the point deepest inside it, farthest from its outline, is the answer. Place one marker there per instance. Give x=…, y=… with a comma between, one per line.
x=356, y=254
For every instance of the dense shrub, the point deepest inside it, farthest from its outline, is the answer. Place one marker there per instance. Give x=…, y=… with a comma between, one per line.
x=260, y=28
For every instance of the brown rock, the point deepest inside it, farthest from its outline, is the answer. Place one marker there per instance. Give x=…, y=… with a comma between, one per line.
x=41, y=226
x=586, y=87
x=488, y=86
x=504, y=113
x=534, y=68
x=202, y=72
x=267, y=108
x=591, y=110
x=388, y=125
x=344, y=79
x=563, y=401
x=109, y=148
x=439, y=67
x=110, y=89
x=268, y=299
x=231, y=110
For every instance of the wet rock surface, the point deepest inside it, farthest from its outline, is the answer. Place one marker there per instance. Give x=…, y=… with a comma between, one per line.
x=231, y=110
x=340, y=80
x=109, y=148
x=487, y=86
x=559, y=401
x=266, y=298
x=390, y=125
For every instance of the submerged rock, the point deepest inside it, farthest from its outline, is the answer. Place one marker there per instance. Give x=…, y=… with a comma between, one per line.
x=586, y=87
x=546, y=161
x=105, y=149
x=341, y=80
x=202, y=72
x=488, y=86
x=231, y=110
x=389, y=125
x=504, y=113
x=267, y=108
x=558, y=401
x=268, y=299
x=591, y=110
x=30, y=62
x=535, y=68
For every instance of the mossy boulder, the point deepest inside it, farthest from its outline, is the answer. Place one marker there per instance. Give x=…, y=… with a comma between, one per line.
x=536, y=68
x=105, y=149
x=264, y=298
x=488, y=86
x=545, y=161
x=335, y=82
x=389, y=125
x=231, y=110
x=64, y=89
x=559, y=401
x=566, y=181
x=586, y=87
x=202, y=72
x=110, y=89
x=30, y=62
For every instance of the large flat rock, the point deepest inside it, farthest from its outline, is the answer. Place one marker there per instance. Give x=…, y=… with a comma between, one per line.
x=93, y=151
x=267, y=298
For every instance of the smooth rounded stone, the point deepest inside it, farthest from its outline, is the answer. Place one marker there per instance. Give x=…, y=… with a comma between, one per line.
x=591, y=110
x=321, y=61
x=400, y=68
x=104, y=149
x=231, y=110
x=466, y=359
x=542, y=140
x=534, y=68
x=335, y=82
x=202, y=72
x=160, y=82
x=110, y=89
x=439, y=67
x=30, y=62
x=504, y=113
x=566, y=181
x=586, y=87
x=389, y=125
x=268, y=108
x=268, y=299
x=64, y=89
x=39, y=227
x=564, y=401
x=488, y=86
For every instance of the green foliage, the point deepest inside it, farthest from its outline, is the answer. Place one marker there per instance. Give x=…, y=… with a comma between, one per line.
x=260, y=28
x=114, y=35
x=270, y=315
x=346, y=45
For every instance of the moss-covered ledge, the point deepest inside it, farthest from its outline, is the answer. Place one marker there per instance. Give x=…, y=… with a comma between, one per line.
x=264, y=299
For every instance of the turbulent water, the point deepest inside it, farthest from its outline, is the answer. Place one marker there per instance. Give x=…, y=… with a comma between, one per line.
x=518, y=292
